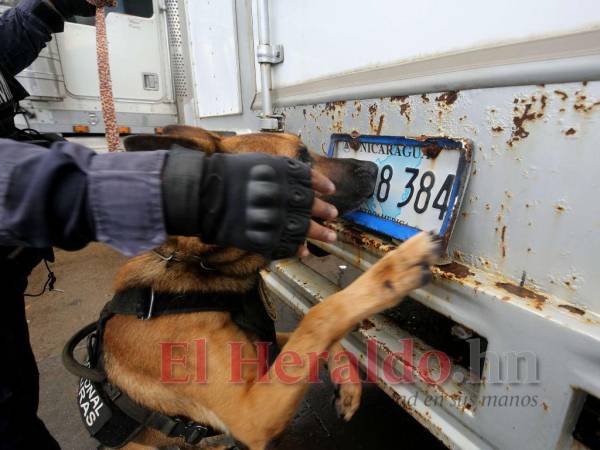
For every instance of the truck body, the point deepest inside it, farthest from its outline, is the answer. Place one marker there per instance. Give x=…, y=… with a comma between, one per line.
x=515, y=305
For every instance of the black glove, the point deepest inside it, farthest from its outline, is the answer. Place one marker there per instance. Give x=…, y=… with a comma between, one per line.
x=252, y=201
x=70, y=8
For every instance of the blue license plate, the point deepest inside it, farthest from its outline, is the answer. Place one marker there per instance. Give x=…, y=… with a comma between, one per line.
x=420, y=183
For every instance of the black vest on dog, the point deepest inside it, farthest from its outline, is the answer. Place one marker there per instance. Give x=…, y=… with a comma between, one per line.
x=112, y=417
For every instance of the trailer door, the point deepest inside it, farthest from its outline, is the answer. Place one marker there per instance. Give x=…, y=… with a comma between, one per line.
x=138, y=53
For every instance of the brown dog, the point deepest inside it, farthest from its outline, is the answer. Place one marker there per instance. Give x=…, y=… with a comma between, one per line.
x=254, y=413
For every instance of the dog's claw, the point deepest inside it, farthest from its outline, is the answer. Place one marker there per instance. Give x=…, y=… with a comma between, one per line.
x=346, y=400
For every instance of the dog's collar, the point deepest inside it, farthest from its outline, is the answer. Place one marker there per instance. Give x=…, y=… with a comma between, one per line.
x=173, y=257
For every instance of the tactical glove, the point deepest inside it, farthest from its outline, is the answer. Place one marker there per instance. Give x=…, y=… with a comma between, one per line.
x=255, y=202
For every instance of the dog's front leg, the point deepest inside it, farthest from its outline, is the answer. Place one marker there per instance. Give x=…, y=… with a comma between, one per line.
x=340, y=364
x=265, y=408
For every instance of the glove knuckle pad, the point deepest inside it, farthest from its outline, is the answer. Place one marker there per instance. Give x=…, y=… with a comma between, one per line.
x=263, y=218
x=263, y=193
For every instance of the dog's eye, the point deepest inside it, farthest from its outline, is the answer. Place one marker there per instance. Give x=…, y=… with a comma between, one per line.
x=304, y=156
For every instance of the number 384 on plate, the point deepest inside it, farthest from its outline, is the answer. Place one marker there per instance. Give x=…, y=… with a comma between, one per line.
x=420, y=183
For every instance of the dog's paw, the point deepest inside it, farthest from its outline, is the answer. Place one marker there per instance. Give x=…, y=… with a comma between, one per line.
x=406, y=268
x=347, y=399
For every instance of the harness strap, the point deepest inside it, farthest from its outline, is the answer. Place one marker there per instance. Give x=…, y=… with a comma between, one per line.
x=174, y=427
x=145, y=303
x=247, y=309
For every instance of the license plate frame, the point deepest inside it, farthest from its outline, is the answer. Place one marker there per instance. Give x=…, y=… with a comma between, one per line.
x=430, y=147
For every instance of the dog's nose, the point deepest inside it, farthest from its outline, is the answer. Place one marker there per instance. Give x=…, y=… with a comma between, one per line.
x=366, y=169
x=366, y=175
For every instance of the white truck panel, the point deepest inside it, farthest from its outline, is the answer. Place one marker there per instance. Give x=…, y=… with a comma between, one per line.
x=214, y=53
x=327, y=38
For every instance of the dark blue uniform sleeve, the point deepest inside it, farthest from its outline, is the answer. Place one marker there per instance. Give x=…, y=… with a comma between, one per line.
x=23, y=34
x=68, y=196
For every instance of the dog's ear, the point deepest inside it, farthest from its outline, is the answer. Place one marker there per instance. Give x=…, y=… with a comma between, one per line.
x=175, y=136
x=207, y=141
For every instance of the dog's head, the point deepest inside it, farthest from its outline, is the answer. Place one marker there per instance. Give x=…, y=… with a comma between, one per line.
x=354, y=180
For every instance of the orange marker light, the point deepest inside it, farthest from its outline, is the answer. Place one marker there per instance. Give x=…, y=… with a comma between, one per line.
x=124, y=130
x=81, y=129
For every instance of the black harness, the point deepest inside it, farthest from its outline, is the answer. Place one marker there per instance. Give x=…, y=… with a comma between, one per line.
x=108, y=413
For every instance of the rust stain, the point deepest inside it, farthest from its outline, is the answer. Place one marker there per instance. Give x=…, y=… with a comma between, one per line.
x=380, y=125
x=582, y=106
x=561, y=94
x=559, y=208
x=431, y=150
x=454, y=270
x=399, y=98
x=354, y=143
x=498, y=129
x=372, y=114
x=526, y=111
x=448, y=98
x=351, y=235
x=424, y=98
x=405, y=110
x=503, y=241
x=545, y=406
x=523, y=292
x=358, y=106
x=337, y=111
x=570, y=131
x=333, y=106
x=573, y=309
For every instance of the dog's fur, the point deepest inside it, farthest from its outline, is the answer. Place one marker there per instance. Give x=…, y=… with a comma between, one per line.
x=254, y=413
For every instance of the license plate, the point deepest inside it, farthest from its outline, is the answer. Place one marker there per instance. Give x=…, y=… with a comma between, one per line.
x=419, y=186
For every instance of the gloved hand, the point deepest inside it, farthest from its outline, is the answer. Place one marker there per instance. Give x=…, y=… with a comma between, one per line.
x=255, y=202
x=70, y=8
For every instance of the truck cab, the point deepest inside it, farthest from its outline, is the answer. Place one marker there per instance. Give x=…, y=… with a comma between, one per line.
x=63, y=81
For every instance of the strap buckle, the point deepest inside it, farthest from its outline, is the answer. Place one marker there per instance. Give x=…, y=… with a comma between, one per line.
x=147, y=315
x=192, y=432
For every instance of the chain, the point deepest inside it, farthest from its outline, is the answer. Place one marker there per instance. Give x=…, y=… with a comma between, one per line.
x=106, y=92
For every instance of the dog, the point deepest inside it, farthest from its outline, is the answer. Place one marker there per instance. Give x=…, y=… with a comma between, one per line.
x=253, y=412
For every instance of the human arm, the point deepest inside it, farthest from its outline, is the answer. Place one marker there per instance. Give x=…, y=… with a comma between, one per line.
x=68, y=196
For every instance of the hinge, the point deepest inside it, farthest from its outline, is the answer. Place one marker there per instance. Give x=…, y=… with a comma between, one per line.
x=274, y=122
x=269, y=54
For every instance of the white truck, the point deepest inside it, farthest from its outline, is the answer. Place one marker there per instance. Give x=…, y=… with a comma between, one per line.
x=498, y=104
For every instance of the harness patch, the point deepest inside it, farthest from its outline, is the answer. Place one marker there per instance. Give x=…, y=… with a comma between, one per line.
x=94, y=412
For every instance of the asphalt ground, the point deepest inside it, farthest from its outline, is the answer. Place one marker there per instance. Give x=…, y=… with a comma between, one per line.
x=85, y=279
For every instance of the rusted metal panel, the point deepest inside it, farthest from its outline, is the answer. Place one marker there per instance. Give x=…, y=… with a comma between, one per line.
x=530, y=204
x=515, y=320
x=521, y=268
